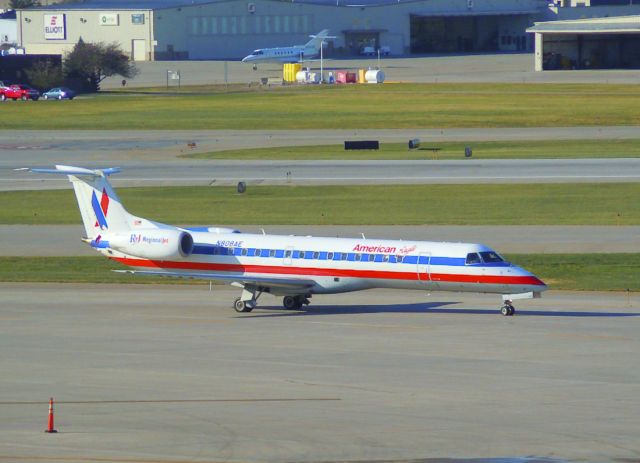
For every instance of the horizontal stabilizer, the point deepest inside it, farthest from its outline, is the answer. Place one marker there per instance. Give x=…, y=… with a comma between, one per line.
x=71, y=170
x=258, y=281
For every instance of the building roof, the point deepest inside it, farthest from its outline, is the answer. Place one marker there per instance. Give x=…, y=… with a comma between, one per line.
x=612, y=25
x=164, y=4
x=121, y=5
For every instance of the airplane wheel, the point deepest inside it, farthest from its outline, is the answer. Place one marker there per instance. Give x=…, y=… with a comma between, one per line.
x=241, y=306
x=300, y=301
x=507, y=310
x=290, y=303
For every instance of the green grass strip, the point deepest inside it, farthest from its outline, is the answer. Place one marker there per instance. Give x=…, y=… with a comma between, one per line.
x=584, y=272
x=502, y=204
x=339, y=107
x=555, y=149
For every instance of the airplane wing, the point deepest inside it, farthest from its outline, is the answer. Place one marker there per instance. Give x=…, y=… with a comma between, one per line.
x=312, y=60
x=284, y=283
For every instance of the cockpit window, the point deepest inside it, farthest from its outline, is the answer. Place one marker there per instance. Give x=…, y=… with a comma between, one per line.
x=491, y=256
x=473, y=258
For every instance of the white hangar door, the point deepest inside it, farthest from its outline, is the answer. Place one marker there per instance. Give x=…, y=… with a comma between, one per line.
x=139, y=50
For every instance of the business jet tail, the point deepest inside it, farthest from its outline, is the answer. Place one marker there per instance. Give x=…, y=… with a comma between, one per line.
x=316, y=39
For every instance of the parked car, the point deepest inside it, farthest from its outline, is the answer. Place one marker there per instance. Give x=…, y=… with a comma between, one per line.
x=3, y=87
x=368, y=51
x=59, y=93
x=372, y=51
x=22, y=92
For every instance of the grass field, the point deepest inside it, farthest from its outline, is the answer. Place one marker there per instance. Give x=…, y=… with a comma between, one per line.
x=339, y=107
x=520, y=204
x=592, y=272
x=567, y=149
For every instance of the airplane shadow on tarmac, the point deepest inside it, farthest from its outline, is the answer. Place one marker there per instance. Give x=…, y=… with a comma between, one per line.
x=351, y=309
x=426, y=308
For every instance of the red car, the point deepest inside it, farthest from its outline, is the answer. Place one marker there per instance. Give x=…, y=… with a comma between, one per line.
x=20, y=91
x=3, y=87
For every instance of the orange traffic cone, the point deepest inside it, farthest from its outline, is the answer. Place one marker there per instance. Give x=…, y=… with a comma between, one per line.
x=50, y=427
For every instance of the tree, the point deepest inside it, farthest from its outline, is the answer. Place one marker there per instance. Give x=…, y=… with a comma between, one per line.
x=88, y=64
x=45, y=74
x=23, y=4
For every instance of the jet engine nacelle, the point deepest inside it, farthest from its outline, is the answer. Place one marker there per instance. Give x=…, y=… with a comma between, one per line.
x=153, y=243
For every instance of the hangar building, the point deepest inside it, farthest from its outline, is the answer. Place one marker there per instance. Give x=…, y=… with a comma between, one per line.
x=230, y=29
x=595, y=43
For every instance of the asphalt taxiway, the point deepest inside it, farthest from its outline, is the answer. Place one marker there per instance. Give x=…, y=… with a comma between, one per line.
x=229, y=172
x=151, y=158
x=471, y=68
x=173, y=374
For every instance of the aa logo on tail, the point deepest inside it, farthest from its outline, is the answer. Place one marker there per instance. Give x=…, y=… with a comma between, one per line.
x=100, y=209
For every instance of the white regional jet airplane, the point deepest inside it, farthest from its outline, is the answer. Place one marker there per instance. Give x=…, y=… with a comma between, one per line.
x=294, y=267
x=294, y=54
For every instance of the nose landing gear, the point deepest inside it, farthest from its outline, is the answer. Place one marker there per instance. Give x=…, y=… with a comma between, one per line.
x=507, y=309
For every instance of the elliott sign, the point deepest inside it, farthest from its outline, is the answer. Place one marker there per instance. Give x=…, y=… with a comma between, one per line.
x=54, y=27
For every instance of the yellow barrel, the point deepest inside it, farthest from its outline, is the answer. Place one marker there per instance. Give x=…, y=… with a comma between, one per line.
x=289, y=71
x=361, y=78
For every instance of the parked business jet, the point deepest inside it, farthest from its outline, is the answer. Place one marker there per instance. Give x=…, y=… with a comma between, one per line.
x=293, y=54
x=294, y=267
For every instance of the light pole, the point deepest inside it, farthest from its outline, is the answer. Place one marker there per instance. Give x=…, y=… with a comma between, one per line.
x=321, y=53
x=321, y=62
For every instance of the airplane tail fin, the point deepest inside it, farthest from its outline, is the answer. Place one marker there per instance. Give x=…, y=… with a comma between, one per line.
x=317, y=39
x=100, y=207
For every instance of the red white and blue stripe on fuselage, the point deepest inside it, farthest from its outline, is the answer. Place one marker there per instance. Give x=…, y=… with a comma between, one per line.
x=339, y=264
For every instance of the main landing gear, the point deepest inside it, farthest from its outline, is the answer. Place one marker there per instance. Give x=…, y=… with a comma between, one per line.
x=294, y=302
x=242, y=306
x=507, y=309
x=248, y=300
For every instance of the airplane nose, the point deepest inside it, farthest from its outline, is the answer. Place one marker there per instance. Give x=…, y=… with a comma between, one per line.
x=530, y=280
x=540, y=285
x=245, y=59
x=536, y=283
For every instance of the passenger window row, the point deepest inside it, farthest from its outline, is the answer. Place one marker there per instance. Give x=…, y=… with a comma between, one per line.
x=313, y=255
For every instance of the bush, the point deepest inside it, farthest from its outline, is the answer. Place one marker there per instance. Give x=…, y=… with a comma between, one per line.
x=45, y=74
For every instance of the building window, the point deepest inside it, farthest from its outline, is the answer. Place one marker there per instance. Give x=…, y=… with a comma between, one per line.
x=267, y=24
x=223, y=25
x=276, y=24
x=305, y=23
x=214, y=24
x=285, y=24
x=194, y=26
x=234, y=25
x=204, y=26
x=258, y=24
x=243, y=25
